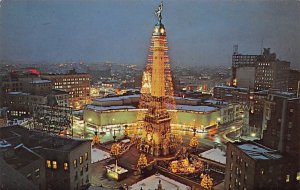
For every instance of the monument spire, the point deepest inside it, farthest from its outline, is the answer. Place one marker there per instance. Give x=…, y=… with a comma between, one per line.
x=159, y=95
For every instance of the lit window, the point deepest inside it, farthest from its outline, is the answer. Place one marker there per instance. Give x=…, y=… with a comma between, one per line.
x=48, y=164
x=298, y=176
x=86, y=156
x=54, y=163
x=75, y=163
x=80, y=159
x=65, y=166
x=287, y=179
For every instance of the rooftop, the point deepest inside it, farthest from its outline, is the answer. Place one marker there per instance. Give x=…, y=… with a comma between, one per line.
x=19, y=93
x=230, y=87
x=40, y=81
x=102, y=108
x=258, y=151
x=215, y=154
x=196, y=108
x=18, y=134
x=117, y=98
x=19, y=156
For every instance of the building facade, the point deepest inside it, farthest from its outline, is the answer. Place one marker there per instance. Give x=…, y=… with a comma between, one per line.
x=270, y=72
x=243, y=70
x=281, y=132
x=294, y=82
x=76, y=84
x=252, y=166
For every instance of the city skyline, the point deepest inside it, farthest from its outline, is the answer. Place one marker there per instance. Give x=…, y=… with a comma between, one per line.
x=200, y=32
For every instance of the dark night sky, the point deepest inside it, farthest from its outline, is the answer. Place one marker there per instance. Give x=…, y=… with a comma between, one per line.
x=200, y=32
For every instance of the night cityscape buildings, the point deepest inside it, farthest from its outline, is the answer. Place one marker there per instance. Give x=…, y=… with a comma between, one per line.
x=165, y=126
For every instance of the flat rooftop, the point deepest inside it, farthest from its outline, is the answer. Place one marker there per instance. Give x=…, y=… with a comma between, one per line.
x=196, y=108
x=214, y=154
x=258, y=151
x=19, y=156
x=102, y=108
x=30, y=138
x=40, y=81
x=178, y=107
x=117, y=98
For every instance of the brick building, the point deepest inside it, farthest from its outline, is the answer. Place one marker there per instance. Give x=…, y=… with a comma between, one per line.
x=76, y=84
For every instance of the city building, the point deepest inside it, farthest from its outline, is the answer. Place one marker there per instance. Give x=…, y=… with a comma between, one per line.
x=252, y=166
x=281, y=131
x=231, y=94
x=23, y=89
x=270, y=72
x=66, y=161
x=274, y=162
x=96, y=115
x=294, y=82
x=257, y=100
x=14, y=82
x=21, y=104
x=243, y=69
x=76, y=84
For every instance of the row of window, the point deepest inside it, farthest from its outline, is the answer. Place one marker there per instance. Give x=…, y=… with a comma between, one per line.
x=80, y=159
x=73, y=79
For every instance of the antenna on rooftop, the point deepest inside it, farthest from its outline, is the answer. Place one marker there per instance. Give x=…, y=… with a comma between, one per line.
x=262, y=46
x=235, y=49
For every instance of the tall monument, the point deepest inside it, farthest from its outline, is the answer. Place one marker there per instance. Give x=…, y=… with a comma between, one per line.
x=157, y=94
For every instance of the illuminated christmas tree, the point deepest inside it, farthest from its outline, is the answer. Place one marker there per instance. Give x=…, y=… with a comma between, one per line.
x=115, y=149
x=194, y=142
x=206, y=182
x=142, y=162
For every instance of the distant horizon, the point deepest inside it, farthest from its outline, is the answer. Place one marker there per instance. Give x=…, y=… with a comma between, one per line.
x=199, y=32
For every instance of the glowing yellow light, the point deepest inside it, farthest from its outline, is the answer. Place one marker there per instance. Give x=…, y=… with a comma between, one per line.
x=206, y=182
x=162, y=30
x=142, y=162
x=54, y=163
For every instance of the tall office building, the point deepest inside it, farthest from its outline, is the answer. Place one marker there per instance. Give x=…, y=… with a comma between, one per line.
x=270, y=72
x=243, y=69
x=76, y=84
